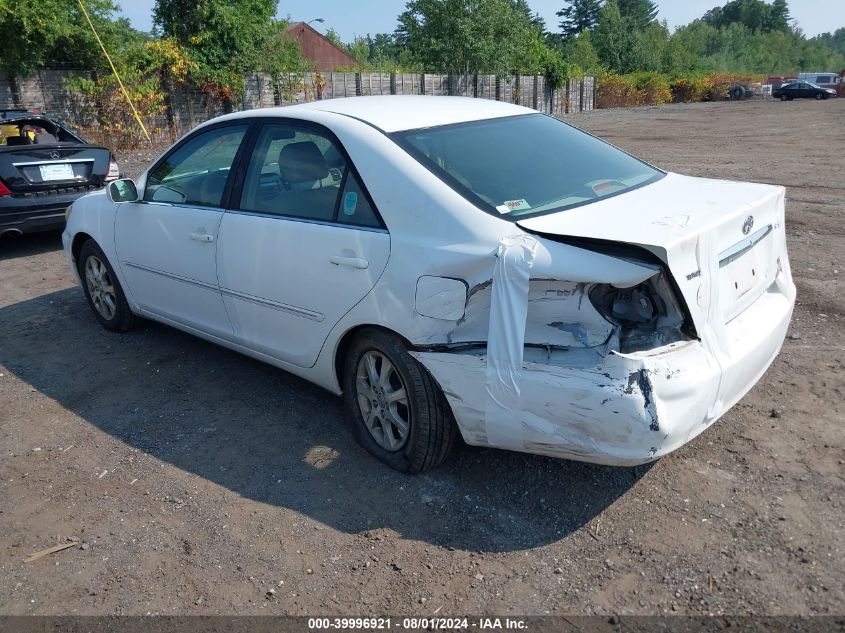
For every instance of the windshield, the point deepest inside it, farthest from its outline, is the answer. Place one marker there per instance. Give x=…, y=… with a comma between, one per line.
x=525, y=165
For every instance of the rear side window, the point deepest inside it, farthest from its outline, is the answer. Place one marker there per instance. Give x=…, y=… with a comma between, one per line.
x=300, y=172
x=196, y=173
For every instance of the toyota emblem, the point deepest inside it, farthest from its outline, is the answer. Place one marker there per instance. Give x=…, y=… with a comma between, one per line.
x=748, y=225
x=54, y=155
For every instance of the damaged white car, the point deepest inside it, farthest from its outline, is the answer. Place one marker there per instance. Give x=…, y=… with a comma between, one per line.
x=452, y=266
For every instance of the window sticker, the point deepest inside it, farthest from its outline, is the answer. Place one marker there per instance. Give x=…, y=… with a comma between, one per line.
x=502, y=208
x=350, y=203
x=516, y=205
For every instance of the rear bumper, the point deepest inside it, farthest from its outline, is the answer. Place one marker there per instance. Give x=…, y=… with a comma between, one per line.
x=621, y=409
x=35, y=213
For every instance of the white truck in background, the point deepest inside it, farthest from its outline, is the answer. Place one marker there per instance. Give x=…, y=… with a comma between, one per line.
x=825, y=80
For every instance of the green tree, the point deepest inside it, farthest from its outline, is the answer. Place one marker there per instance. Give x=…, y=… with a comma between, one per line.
x=334, y=37
x=581, y=52
x=834, y=41
x=578, y=16
x=359, y=49
x=640, y=13
x=755, y=15
x=281, y=54
x=227, y=38
x=523, y=10
x=778, y=16
x=615, y=40
x=651, y=43
x=465, y=36
x=35, y=32
x=384, y=51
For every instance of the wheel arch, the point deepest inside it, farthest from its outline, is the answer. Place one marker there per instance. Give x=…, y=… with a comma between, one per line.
x=343, y=345
x=78, y=240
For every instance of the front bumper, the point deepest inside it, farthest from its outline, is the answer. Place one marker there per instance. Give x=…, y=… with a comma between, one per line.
x=620, y=409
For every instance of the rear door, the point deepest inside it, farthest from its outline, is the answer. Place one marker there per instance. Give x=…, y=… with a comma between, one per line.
x=166, y=243
x=302, y=244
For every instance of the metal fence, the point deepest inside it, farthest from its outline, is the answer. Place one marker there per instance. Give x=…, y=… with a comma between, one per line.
x=189, y=106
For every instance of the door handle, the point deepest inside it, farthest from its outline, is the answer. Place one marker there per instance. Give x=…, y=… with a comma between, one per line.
x=202, y=237
x=352, y=262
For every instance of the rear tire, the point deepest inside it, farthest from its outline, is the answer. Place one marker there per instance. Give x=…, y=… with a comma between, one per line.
x=102, y=289
x=395, y=409
x=784, y=98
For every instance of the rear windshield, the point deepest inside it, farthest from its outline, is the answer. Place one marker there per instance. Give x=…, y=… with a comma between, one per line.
x=525, y=165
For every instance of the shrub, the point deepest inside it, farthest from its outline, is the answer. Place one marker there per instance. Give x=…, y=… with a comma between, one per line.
x=689, y=88
x=650, y=88
x=654, y=88
x=617, y=91
x=101, y=105
x=720, y=82
x=628, y=91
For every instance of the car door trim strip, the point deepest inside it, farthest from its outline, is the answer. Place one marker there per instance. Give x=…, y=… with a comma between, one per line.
x=282, y=307
x=187, y=280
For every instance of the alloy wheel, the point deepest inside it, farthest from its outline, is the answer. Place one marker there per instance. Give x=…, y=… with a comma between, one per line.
x=383, y=400
x=100, y=288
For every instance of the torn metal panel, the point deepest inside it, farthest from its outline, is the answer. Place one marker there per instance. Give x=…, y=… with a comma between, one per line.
x=559, y=310
x=581, y=405
x=615, y=408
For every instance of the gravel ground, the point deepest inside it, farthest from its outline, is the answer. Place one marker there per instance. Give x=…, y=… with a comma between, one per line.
x=197, y=481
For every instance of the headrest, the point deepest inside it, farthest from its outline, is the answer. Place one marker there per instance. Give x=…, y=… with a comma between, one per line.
x=302, y=162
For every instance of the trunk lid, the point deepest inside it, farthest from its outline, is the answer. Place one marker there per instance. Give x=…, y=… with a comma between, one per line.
x=42, y=168
x=723, y=241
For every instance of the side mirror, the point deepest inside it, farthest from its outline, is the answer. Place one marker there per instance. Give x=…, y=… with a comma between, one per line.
x=123, y=190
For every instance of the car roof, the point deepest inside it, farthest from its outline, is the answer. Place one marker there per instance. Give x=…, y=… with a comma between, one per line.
x=394, y=113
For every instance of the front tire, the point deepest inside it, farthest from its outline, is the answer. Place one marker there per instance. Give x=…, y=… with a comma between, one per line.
x=395, y=409
x=102, y=289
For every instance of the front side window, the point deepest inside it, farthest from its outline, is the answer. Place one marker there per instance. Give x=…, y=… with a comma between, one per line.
x=525, y=165
x=196, y=173
x=297, y=171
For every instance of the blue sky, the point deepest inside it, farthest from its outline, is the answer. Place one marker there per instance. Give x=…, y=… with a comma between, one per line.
x=351, y=18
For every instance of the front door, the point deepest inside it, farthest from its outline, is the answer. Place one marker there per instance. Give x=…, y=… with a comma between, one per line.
x=302, y=245
x=166, y=243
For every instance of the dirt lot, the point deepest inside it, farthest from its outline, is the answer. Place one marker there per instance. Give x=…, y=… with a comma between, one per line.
x=198, y=480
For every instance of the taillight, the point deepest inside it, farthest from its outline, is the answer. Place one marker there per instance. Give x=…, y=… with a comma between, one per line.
x=4, y=190
x=648, y=315
x=114, y=172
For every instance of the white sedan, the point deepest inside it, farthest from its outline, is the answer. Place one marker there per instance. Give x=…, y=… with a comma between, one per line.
x=452, y=266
